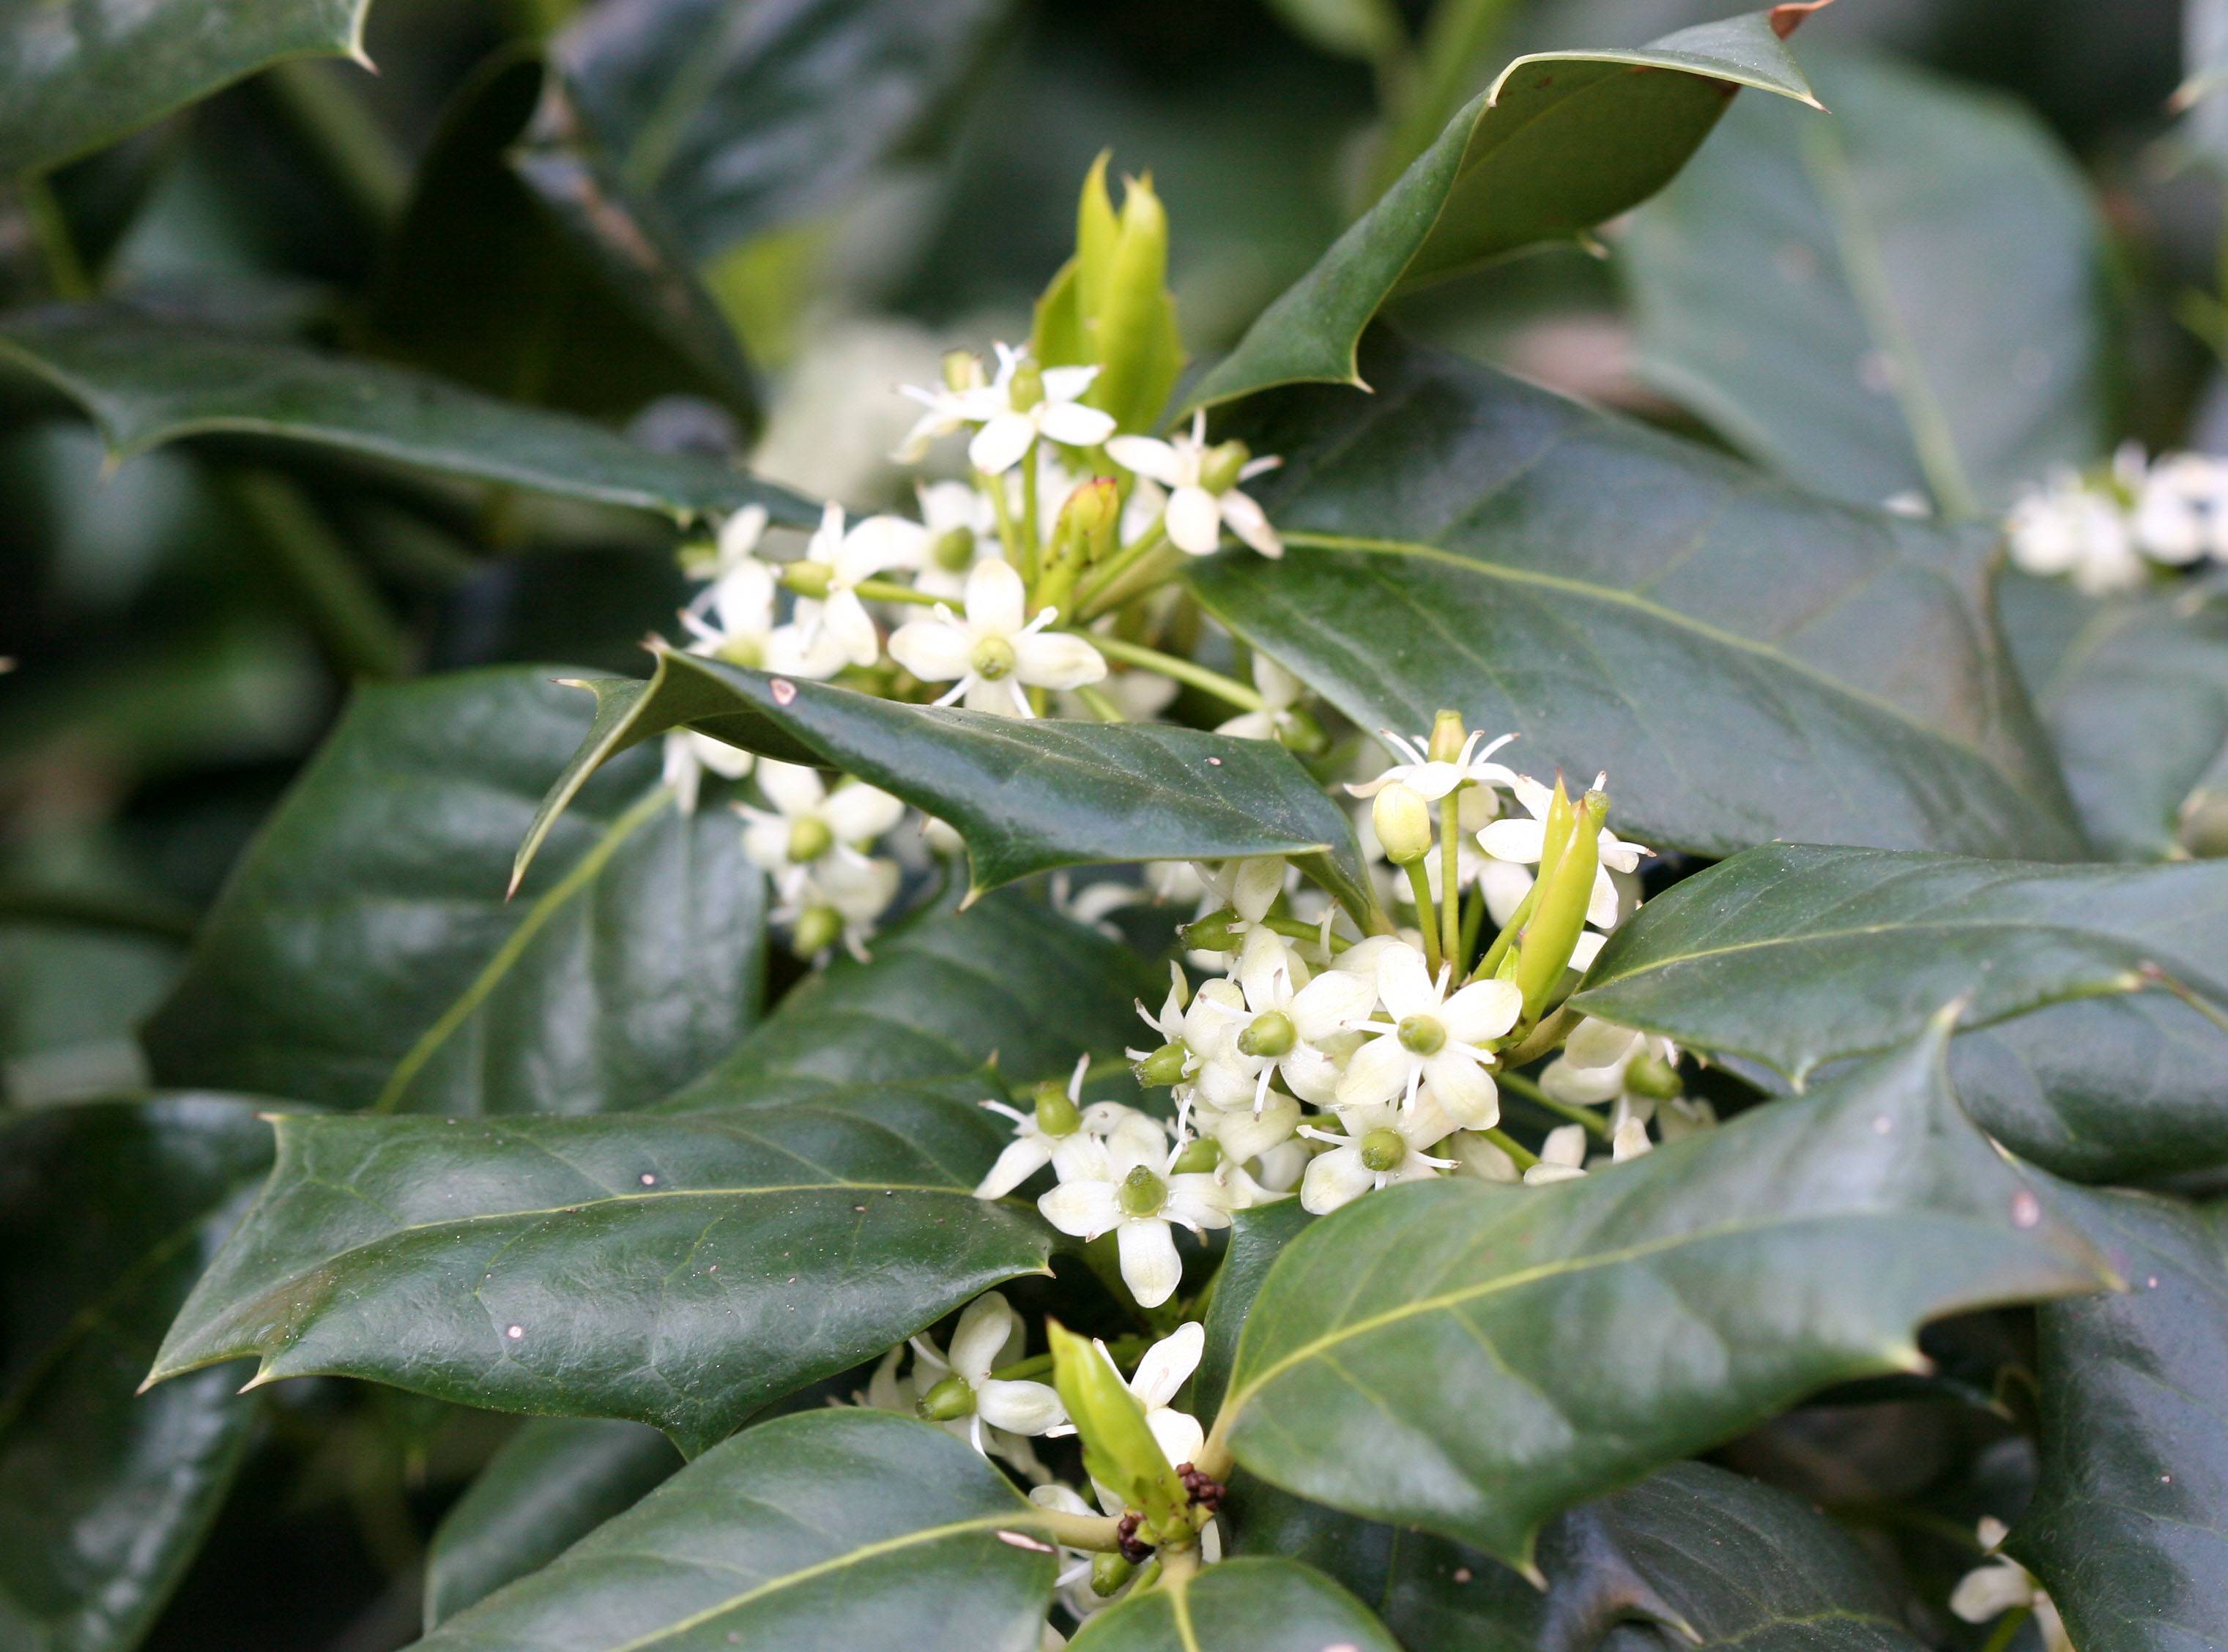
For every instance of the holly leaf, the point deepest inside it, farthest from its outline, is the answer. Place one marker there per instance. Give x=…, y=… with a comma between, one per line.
x=2126, y=1529
x=1008, y=982
x=524, y=268
x=71, y=81
x=1027, y=794
x=2133, y=690
x=1508, y=1352
x=1258, y=1238
x=1560, y=142
x=364, y=953
x=734, y=122
x=1746, y=661
x=1260, y=1605
x=1792, y=954
x=1830, y=294
x=823, y=1533
x=557, y=1480
x=108, y=1210
x=144, y=382
x=733, y=1257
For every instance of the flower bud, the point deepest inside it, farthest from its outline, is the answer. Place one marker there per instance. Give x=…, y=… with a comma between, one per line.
x=1652, y=1076
x=807, y=578
x=953, y=550
x=1164, y=1067
x=1090, y=519
x=1057, y=1115
x=817, y=929
x=1560, y=917
x=1026, y=388
x=1403, y=821
x=1200, y=1155
x=1216, y=932
x=1132, y=318
x=1108, y=1573
x=949, y=1399
x=1447, y=736
x=1119, y=1450
x=809, y=838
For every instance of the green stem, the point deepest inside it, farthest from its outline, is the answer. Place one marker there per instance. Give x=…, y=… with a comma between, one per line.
x=66, y=270
x=1595, y=1125
x=1169, y=665
x=339, y=601
x=1420, y=881
x=1451, y=878
x=1124, y=559
x=1095, y=1533
x=1030, y=535
x=353, y=147
x=1506, y=938
x=890, y=591
x=1473, y=921
x=1305, y=931
x=2008, y=1626
x=994, y=489
x=1525, y=1157
x=1101, y=708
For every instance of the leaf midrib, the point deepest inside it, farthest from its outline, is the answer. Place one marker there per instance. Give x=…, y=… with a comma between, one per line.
x=1671, y=617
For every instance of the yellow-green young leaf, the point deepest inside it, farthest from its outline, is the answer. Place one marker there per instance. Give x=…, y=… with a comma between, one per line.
x=74, y=78
x=1473, y=1359
x=1559, y=143
x=1027, y=795
x=831, y=1532
x=1792, y=954
x=1119, y=1450
x=1097, y=232
x=728, y=1258
x=146, y=383
x=1133, y=328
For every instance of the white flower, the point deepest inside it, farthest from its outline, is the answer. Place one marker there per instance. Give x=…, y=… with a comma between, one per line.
x=1597, y=1059
x=2181, y=509
x=1432, y=779
x=992, y=656
x=1122, y=1183
x=989, y=1334
x=809, y=822
x=1248, y=887
x=1562, y=1156
x=2065, y=527
x=2002, y=1584
x=1033, y=1147
x=1432, y=1037
x=688, y=753
x=1381, y=1145
x=835, y=631
x=1196, y=515
x=740, y=604
x=1005, y=431
x=1286, y=1019
x=1166, y=1367
x=1280, y=691
x=948, y=511
x=1523, y=841
x=855, y=889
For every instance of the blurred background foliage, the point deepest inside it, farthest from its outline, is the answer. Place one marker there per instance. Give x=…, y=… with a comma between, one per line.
x=712, y=238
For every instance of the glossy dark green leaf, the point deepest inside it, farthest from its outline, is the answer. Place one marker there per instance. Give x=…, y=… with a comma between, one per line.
x=2134, y=691
x=1746, y=661
x=1248, y=1605
x=1008, y=980
x=2119, y=1089
x=1507, y=1352
x=831, y=1532
x=736, y=119
x=2127, y=1528
x=1830, y=294
x=1027, y=794
x=1258, y=1238
x=74, y=77
x=146, y=383
x=523, y=269
x=1792, y=954
x=557, y=1480
x=108, y=1211
x=363, y=954
x=682, y=1272
x=1559, y=143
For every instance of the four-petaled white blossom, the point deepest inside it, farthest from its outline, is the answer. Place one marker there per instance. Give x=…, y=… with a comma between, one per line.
x=1431, y=778
x=808, y=822
x=989, y=1334
x=953, y=514
x=1125, y=1183
x=830, y=633
x=1383, y=1144
x=1195, y=514
x=1279, y=1027
x=1432, y=1037
x=991, y=657
x=1004, y=432
x=1033, y=1147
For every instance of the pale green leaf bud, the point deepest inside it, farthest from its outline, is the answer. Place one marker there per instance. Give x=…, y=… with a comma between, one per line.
x=1403, y=822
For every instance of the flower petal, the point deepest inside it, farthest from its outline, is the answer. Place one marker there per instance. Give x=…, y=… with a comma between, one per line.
x=1482, y=1010
x=1063, y=384
x=791, y=787
x=1403, y=981
x=998, y=447
x=1018, y=1407
x=1464, y=1089
x=1150, y=1266
x=1177, y=1433
x=1168, y=1365
x=857, y=813
x=1022, y=1158
x=1084, y=1209
x=984, y=1325
x=1338, y=1177
x=1056, y=660
x=1377, y=1074
x=1334, y=1000
x=1075, y=426
x=995, y=599
x=1244, y=1135
x=1195, y=521
x=1245, y=519
x=1522, y=841
x=1146, y=455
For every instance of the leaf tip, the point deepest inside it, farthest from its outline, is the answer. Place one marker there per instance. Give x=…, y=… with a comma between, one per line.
x=264, y=1375
x=1787, y=17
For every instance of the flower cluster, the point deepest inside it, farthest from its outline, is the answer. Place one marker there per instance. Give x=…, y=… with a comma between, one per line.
x=2107, y=532
x=1332, y=1063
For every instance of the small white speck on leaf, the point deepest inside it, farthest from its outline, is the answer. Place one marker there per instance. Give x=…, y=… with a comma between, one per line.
x=515, y=1332
x=648, y=1179
x=2027, y=1209
x=1883, y=1125
x=785, y=691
